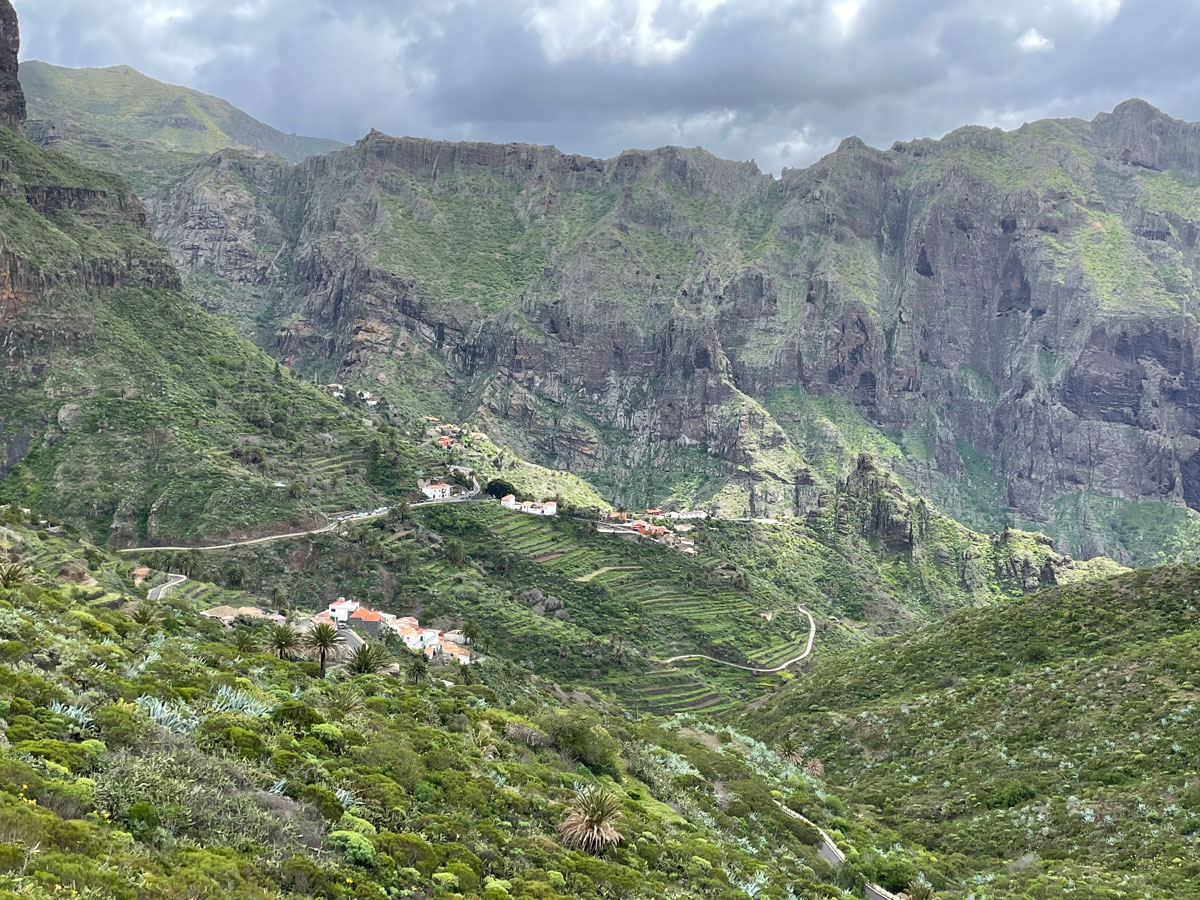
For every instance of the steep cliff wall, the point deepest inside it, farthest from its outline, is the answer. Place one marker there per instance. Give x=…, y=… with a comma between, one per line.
x=1004, y=316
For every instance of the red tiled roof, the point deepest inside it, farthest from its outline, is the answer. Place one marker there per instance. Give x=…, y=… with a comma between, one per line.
x=436, y=486
x=366, y=615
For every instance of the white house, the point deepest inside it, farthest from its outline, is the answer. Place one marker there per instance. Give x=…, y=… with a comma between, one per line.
x=430, y=637
x=508, y=501
x=540, y=509
x=341, y=609
x=436, y=491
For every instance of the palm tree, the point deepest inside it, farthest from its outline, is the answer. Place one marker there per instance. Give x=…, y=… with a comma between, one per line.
x=790, y=750
x=814, y=769
x=418, y=669
x=466, y=675
x=367, y=659
x=284, y=641
x=324, y=640
x=591, y=821
x=473, y=633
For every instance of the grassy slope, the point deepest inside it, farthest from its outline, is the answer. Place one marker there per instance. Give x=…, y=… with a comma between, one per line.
x=179, y=428
x=125, y=104
x=1035, y=748
x=255, y=798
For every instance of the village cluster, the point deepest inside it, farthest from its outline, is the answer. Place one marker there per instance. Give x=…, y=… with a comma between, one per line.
x=650, y=526
x=347, y=614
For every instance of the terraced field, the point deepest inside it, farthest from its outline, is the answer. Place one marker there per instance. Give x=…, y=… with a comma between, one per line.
x=664, y=691
x=672, y=605
x=726, y=622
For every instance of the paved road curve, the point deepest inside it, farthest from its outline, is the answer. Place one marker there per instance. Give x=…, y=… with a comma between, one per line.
x=812, y=634
x=158, y=593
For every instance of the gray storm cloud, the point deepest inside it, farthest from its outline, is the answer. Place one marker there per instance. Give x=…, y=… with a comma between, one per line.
x=780, y=82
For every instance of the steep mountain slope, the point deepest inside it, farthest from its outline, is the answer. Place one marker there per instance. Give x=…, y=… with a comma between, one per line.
x=125, y=408
x=1006, y=318
x=1044, y=747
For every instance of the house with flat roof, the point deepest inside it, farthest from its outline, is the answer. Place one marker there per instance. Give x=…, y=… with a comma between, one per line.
x=437, y=491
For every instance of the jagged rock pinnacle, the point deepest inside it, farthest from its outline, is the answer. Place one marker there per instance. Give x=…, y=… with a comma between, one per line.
x=12, y=100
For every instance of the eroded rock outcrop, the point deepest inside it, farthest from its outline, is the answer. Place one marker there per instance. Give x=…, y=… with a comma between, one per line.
x=12, y=100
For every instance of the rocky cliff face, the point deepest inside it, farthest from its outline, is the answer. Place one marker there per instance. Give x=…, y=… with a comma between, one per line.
x=1006, y=317
x=12, y=100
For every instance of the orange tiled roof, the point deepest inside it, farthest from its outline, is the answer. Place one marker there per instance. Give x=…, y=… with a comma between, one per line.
x=366, y=615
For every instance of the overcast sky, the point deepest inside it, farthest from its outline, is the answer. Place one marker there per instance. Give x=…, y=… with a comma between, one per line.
x=777, y=81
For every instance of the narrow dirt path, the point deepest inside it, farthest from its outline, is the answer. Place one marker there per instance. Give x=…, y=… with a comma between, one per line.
x=832, y=854
x=233, y=544
x=583, y=579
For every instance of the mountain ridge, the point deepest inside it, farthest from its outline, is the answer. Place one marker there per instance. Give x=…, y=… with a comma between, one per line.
x=125, y=102
x=740, y=314
x=928, y=302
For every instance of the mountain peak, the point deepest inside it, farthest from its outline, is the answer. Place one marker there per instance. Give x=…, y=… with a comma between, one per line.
x=12, y=100
x=1136, y=108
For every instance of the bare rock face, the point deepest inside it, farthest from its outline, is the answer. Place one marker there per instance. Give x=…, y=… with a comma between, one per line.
x=12, y=100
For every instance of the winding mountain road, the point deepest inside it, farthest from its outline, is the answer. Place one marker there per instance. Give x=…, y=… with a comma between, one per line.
x=812, y=634
x=158, y=593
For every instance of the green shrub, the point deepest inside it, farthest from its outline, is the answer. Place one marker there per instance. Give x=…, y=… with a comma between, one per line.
x=353, y=823
x=578, y=733
x=297, y=714
x=143, y=820
x=122, y=724
x=323, y=799
x=358, y=848
x=331, y=736
x=410, y=850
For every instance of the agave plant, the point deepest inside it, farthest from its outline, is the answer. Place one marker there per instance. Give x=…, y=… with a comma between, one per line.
x=367, y=659
x=174, y=718
x=77, y=714
x=232, y=700
x=591, y=821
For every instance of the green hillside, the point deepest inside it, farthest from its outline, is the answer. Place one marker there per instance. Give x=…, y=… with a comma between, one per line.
x=581, y=606
x=123, y=103
x=126, y=409
x=150, y=754
x=1044, y=747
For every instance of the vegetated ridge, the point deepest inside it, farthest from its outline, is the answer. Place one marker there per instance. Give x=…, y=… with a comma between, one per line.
x=123, y=406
